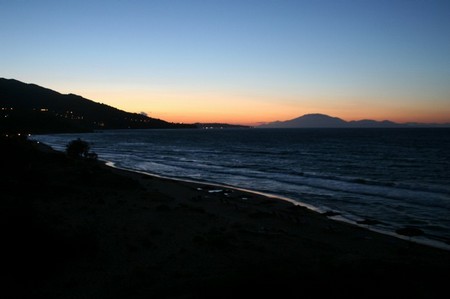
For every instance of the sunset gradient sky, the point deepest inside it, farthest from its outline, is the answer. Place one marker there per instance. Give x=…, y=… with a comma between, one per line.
x=245, y=61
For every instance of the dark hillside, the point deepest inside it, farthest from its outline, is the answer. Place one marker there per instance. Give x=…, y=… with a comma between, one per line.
x=30, y=108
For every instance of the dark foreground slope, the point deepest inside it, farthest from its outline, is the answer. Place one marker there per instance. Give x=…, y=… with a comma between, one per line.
x=79, y=229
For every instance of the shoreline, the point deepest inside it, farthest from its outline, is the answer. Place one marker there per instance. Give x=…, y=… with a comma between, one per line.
x=75, y=228
x=346, y=196
x=338, y=217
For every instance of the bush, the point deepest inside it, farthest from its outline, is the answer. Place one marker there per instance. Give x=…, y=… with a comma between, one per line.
x=77, y=148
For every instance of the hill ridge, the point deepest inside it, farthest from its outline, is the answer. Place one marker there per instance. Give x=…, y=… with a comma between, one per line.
x=36, y=109
x=319, y=120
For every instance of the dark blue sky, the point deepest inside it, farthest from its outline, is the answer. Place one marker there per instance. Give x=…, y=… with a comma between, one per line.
x=237, y=61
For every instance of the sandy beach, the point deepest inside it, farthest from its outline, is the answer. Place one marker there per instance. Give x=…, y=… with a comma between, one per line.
x=82, y=229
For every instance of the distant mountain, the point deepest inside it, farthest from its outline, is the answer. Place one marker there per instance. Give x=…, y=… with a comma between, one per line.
x=368, y=123
x=34, y=109
x=309, y=121
x=326, y=121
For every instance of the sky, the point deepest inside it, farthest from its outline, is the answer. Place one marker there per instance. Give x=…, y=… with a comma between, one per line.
x=242, y=62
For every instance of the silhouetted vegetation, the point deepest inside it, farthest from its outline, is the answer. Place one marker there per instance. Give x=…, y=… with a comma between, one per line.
x=77, y=148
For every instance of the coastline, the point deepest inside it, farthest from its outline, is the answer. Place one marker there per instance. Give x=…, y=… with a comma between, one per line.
x=85, y=229
x=334, y=217
x=384, y=196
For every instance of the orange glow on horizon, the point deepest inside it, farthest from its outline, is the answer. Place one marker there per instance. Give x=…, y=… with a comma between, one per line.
x=252, y=120
x=216, y=107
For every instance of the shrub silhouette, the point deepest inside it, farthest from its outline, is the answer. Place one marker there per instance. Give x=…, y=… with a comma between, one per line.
x=77, y=148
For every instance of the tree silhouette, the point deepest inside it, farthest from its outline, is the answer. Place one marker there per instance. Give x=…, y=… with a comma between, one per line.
x=77, y=148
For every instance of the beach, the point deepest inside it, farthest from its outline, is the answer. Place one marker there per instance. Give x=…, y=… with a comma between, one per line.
x=76, y=228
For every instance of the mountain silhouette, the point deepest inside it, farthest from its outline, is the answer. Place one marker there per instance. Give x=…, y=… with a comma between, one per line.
x=318, y=120
x=30, y=108
x=309, y=121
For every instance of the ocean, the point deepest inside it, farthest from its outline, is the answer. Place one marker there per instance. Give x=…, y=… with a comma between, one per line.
x=398, y=177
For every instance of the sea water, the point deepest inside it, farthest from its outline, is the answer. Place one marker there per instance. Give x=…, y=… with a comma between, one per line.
x=399, y=177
